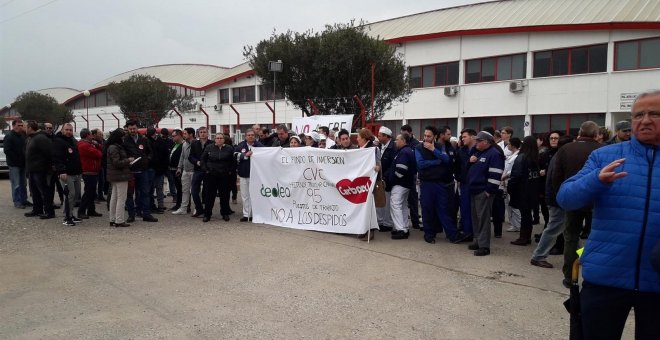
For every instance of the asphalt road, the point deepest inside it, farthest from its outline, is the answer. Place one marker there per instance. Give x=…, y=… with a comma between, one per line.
x=184, y=279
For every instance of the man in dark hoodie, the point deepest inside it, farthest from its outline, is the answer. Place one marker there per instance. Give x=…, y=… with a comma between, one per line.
x=66, y=159
x=39, y=166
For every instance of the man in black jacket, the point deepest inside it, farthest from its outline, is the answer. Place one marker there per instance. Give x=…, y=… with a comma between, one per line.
x=39, y=166
x=14, y=147
x=413, y=195
x=196, y=150
x=175, y=155
x=137, y=146
x=159, y=163
x=66, y=159
x=569, y=160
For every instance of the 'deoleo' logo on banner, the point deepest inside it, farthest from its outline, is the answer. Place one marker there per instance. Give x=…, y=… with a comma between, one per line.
x=276, y=191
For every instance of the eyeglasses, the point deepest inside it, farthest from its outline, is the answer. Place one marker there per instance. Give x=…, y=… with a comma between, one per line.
x=554, y=138
x=640, y=115
x=48, y=128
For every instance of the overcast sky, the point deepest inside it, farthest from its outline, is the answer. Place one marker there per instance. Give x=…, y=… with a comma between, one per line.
x=76, y=43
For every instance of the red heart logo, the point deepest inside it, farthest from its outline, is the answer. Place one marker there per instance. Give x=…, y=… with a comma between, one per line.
x=355, y=191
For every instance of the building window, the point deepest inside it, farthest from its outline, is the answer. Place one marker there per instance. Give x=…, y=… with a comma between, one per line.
x=266, y=93
x=637, y=54
x=577, y=60
x=111, y=100
x=434, y=75
x=479, y=123
x=243, y=94
x=495, y=68
x=415, y=77
x=438, y=123
x=566, y=123
x=223, y=94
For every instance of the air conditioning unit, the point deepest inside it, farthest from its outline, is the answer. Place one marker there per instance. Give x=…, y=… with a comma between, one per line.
x=516, y=86
x=217, y=107
x=451, y=91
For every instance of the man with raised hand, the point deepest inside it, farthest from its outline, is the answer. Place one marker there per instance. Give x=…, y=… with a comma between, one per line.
x=622, y=181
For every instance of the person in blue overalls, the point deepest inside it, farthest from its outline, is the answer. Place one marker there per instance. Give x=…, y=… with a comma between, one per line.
x=436, y=175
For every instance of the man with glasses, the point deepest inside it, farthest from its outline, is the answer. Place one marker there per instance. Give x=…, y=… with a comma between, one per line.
x=14, y=148
x=186, y=170
x=622, y=181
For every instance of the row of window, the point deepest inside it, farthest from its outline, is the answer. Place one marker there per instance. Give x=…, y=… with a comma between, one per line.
x=629, y=55
x=183, y=91
x=566, y=123
x=247, y=94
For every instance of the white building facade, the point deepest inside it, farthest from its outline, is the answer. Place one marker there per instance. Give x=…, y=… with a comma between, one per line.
x=534, y=65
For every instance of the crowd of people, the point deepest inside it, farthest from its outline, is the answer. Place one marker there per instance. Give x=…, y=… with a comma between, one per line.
x=465, y=187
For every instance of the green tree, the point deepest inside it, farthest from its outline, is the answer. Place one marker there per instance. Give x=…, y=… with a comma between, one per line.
x=331, y=67
x=147, y=99
x=42, y=108
x=3, y=124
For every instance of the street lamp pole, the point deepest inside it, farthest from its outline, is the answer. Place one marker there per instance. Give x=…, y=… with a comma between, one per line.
x=86, y=93
x=275, y=67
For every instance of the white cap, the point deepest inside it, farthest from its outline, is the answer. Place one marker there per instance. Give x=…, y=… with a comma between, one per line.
x=314, y=135
x=385, y=130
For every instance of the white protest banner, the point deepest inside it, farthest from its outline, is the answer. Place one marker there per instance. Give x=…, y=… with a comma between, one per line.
x=307, y=124
x=314, y=189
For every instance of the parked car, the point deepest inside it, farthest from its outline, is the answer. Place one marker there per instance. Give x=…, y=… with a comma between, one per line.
x=4, y=169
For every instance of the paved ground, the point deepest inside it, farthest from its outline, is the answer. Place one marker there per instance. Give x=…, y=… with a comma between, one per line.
x=181, y=278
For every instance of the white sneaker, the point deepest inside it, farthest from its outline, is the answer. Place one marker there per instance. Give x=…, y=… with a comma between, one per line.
x=513, y=230
x=179, y=212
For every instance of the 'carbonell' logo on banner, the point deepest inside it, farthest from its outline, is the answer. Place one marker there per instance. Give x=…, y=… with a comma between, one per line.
x=355, y=191
x=276, y=191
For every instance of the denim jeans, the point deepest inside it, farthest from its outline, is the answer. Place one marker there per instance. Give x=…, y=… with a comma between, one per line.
x=158, y=182
x=549, y=235
x=142, y=203
x=18, y=185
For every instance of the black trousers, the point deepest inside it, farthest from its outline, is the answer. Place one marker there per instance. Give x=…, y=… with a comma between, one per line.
x=87, y=205
x=177, y=185
x=498, y=212
x=215, y=184
x=41, y=186
x=413, y=204
x=605, y=310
